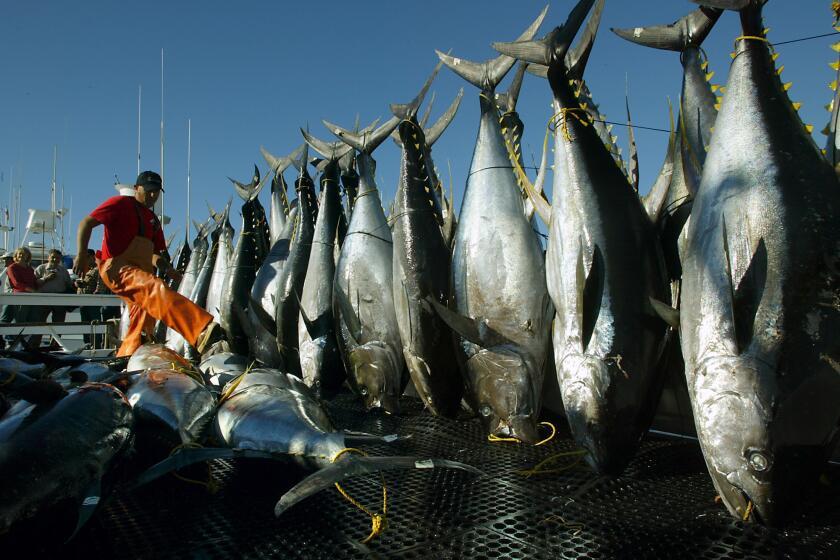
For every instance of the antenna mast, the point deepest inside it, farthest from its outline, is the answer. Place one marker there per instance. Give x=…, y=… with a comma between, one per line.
x=139, y=105
x=189, y=157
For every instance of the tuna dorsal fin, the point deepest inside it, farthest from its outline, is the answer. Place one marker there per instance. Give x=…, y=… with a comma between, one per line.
x=351, y=320
x=748, y=295
x=445, y=119
x=534, y=191
x=487, y=75
x=591, y=292
x=353, y=465
x=688, y=31
x=578, y=56
x=655, y=198
x=407, y=110
x=365, y=142
x=631, y=138
x=554, y=46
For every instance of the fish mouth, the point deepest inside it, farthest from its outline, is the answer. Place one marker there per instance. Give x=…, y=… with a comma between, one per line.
x=742, y=506
x=386, y=402
x=523, y=428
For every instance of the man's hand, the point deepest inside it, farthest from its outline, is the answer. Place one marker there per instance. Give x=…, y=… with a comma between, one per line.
x=80, y=263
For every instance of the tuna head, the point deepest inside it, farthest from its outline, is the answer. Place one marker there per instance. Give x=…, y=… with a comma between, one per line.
x=734, y=426
x=507, y=402
x=378, y=375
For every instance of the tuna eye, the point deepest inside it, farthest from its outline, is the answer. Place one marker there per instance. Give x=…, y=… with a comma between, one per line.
x=363, y=391
x=484, y=410
x=758, y=461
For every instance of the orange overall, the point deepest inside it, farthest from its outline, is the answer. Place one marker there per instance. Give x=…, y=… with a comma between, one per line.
x=129, y=275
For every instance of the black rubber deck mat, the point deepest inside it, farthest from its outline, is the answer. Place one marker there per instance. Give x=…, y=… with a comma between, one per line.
x=663, y=506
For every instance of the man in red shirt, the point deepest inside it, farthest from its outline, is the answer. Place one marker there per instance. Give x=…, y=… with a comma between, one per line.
x=132, y=247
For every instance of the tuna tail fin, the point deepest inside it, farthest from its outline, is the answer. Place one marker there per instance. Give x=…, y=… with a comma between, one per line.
x=734, y=5
x=689, y=31
x=185, y=457
x=330, y=150
x=554, y=46
x=487, y=75
x=424, y=120
x=443, y=122
x=578, y=56
x=352, y=465
x=250, y=191
x=365, y=142
x=633, y=169
x=408, y=110
x=300, y=162
x=280, y=164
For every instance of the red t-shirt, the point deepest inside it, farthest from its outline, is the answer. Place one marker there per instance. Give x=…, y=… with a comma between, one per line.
x=119, y=214
x=21, y=277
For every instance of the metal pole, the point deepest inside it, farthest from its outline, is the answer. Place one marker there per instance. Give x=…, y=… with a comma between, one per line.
x=161, y=133
x=139, y=105
x=189, y=155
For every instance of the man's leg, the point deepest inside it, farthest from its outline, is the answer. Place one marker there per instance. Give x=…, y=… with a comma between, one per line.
x=154, y=298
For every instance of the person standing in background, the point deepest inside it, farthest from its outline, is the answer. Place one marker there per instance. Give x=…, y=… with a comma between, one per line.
x=22, y=279
x=7, y=315
x=89, y=283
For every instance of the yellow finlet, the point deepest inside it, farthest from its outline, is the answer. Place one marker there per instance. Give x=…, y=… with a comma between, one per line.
x=715, y=88
x=765, y=31
x=797, y=105
x=717, y=106
x=836, y=46
x=780, y=70
x=833, y=85
x=826, y=131
x=787, y=86
x=417, y=146
x=723, y=89
x=775, y=56
x=704, y=65
x=809, y=128
x=835, y=65
x=710, y=75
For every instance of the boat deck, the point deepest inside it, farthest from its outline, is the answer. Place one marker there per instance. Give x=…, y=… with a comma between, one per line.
x=662, y=506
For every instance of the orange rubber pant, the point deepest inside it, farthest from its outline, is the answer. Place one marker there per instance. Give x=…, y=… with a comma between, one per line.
x=149, y=299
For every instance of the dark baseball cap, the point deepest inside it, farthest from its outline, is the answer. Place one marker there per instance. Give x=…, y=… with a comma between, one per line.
x=150, y=181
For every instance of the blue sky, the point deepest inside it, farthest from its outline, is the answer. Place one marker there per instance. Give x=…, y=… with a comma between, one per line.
x=251, y=73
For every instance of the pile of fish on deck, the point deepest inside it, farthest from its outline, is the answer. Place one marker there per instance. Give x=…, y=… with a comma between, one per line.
x=726, y=270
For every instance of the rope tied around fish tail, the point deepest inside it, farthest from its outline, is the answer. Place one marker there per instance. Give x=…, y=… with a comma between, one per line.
x=378, y=522
x=539, y=468
x=752, y=38
x=561, y=119
x=211, y=484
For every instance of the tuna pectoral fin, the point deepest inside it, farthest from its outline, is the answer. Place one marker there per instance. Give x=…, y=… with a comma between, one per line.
x=748, y=295
x=348, y=314
x=40, y=391
x=590, y=293
x=91, y=500
x=666, y=312
x=351, y=466
x=188, y=456
x=354, y=439
x=473, y=330
x=266, y=320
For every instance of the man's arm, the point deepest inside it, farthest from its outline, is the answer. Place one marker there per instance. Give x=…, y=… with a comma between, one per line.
x=80, y=263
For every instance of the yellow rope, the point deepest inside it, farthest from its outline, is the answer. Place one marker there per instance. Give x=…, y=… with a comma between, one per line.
x=10, y=379
x=539, y=467
x=493, y=438
x=561, y=118
x=549, y=438
x=748, y=511
x=211, y=485
x=186, y=371
x=377, y=521
x=231, y=388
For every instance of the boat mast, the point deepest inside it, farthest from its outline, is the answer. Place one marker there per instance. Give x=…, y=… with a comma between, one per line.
x=139, y=105
x=189, y=155
x=161, y=134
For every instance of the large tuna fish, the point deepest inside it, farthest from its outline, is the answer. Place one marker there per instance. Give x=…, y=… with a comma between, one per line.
x=247, y=258
x=421, y=271
x=280, y=207
x=284, y=323
x=368, y=334
x=502, y=310
x=759, y=311
x=205, y=274
x=320, y=360
x=57, y=452
x=174, y=340
x=269, y=414
x=221, y=268
x=604, y=263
